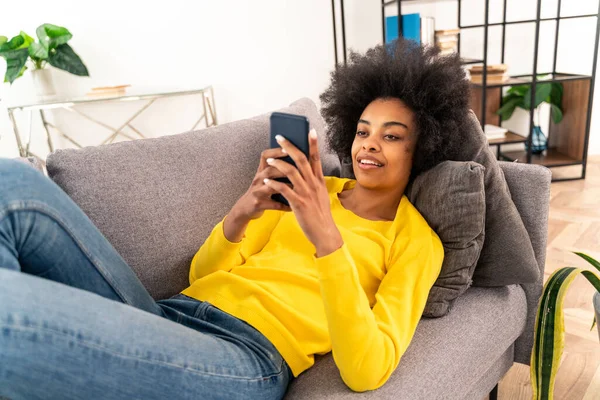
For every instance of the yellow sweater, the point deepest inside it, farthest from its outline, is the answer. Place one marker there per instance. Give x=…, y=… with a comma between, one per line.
x=362, y=302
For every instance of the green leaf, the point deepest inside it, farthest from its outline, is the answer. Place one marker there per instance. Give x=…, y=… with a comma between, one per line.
x=38, y=51
x=507, y=109
x=557, y=114
x=589, y=259
x=15, y=61
x=542, y=91
x=556, y=94
x=27, y=40
x=519, y=90
x=52, y=36
x=12, y=44
x=549, y=331
x=3, y=39
x=63, y=57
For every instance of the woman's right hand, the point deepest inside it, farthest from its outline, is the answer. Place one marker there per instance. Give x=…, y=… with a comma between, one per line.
x=257, y=198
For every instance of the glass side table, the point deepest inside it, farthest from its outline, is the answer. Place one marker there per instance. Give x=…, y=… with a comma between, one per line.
x=149, y=96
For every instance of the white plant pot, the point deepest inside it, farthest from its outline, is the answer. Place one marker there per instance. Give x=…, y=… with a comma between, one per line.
x=597, y=308
x=43, y=83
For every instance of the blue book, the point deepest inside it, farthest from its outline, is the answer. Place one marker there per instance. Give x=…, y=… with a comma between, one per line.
x=411, y=27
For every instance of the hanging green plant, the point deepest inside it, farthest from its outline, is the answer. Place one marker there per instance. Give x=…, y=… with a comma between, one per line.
x=51, y=48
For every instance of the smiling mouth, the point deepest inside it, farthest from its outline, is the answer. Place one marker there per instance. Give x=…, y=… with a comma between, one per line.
x=368, y=164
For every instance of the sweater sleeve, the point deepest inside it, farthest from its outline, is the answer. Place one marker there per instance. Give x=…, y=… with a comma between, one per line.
x=367, y=344
x=217, y=253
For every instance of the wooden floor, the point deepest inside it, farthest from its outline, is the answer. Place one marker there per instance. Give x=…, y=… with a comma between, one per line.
x=574, y=225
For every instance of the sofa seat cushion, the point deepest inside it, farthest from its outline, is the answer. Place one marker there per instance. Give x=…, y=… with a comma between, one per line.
x=447, y=355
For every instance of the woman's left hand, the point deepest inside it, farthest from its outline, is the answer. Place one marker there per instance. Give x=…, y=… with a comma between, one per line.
x=309, y=199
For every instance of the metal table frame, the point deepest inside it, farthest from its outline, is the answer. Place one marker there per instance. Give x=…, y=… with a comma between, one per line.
x=208, y=110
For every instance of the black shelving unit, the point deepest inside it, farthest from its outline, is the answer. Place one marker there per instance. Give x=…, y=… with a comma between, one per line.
x=578, y=86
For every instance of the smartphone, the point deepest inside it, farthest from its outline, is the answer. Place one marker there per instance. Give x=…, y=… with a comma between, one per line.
x=295, y=129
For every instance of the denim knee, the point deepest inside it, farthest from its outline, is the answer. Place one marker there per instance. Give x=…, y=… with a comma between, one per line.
x=19, y=181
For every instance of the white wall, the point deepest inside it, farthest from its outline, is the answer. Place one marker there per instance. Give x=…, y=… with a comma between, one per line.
x=258, y=55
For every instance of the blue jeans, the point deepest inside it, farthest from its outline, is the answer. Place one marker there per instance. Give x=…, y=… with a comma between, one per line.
x=77, y=323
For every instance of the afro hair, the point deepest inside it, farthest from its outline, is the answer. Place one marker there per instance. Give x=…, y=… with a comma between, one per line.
x=434, y=87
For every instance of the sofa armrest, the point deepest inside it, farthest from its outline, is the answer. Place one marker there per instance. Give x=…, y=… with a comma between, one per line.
x=530, y=191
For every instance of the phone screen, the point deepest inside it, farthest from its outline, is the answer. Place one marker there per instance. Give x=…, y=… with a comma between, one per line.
x=295, y=129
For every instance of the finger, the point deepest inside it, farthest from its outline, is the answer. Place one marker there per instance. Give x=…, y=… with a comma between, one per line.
x=289, y=193
x=315, y=157
x=275, y=152
x=269, y=172
x=298, y=156
x=289, y=172
x=264, y=194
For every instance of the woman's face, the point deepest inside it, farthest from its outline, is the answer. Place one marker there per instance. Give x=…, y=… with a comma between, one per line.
x=385, y=134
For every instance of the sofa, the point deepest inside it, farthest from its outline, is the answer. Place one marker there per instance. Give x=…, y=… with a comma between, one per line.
x=166, y=194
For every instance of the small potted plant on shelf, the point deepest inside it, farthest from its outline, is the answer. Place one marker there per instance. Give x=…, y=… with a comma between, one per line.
x=549, y=335
x=520, y=96
x=51, y=48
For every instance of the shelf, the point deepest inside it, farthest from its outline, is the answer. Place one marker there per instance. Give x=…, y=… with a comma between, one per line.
x=390, y=2
x=466, y=60
x=552, y=158
x=524, y=79
x=527, y=21
x=510, y=138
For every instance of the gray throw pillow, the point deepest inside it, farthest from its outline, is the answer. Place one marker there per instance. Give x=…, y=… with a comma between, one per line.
x=451, y=198
x=507, y=256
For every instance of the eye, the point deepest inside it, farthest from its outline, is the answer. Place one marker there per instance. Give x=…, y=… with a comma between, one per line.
x=392, y=137
x=361, y=133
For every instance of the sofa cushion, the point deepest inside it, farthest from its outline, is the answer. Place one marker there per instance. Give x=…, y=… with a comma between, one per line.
x=156, y=200
x=451, y=198
x=446, y=358
x=507, y=256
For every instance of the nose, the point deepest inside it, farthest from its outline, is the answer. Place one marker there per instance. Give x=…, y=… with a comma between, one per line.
x=370, y=144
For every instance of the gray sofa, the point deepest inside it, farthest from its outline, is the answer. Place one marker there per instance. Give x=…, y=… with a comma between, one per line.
x=167, y=193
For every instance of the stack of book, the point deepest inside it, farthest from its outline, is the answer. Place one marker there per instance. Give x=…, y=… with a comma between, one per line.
x=495, y=73
x=117, y=90
x=447, y=41
x=494, y=132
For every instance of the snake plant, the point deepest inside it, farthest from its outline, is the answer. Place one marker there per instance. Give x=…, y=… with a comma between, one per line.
x=549, y=335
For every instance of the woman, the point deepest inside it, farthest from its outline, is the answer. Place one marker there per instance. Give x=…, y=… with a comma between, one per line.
x=346, y=268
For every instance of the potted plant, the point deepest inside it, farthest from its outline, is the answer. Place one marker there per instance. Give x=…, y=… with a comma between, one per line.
x=520, y=96
x=549, y=335
x=51, y=48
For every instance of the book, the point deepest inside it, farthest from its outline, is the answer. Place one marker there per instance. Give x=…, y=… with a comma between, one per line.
x=108, y=90
x=428, y=30
x=496, y=68
x=491, y=78
x=411, y=27
x=495, y=73
x=447, y=41
x=494, y=132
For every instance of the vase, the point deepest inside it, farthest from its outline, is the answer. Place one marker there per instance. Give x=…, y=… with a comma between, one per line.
x=539, y=141
x=597, y=308
x=43, y=83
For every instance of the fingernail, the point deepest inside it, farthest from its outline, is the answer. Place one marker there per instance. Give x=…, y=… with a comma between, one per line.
x=266, y=180
x=269, y=160
x=279, y=138
x=313, y=133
